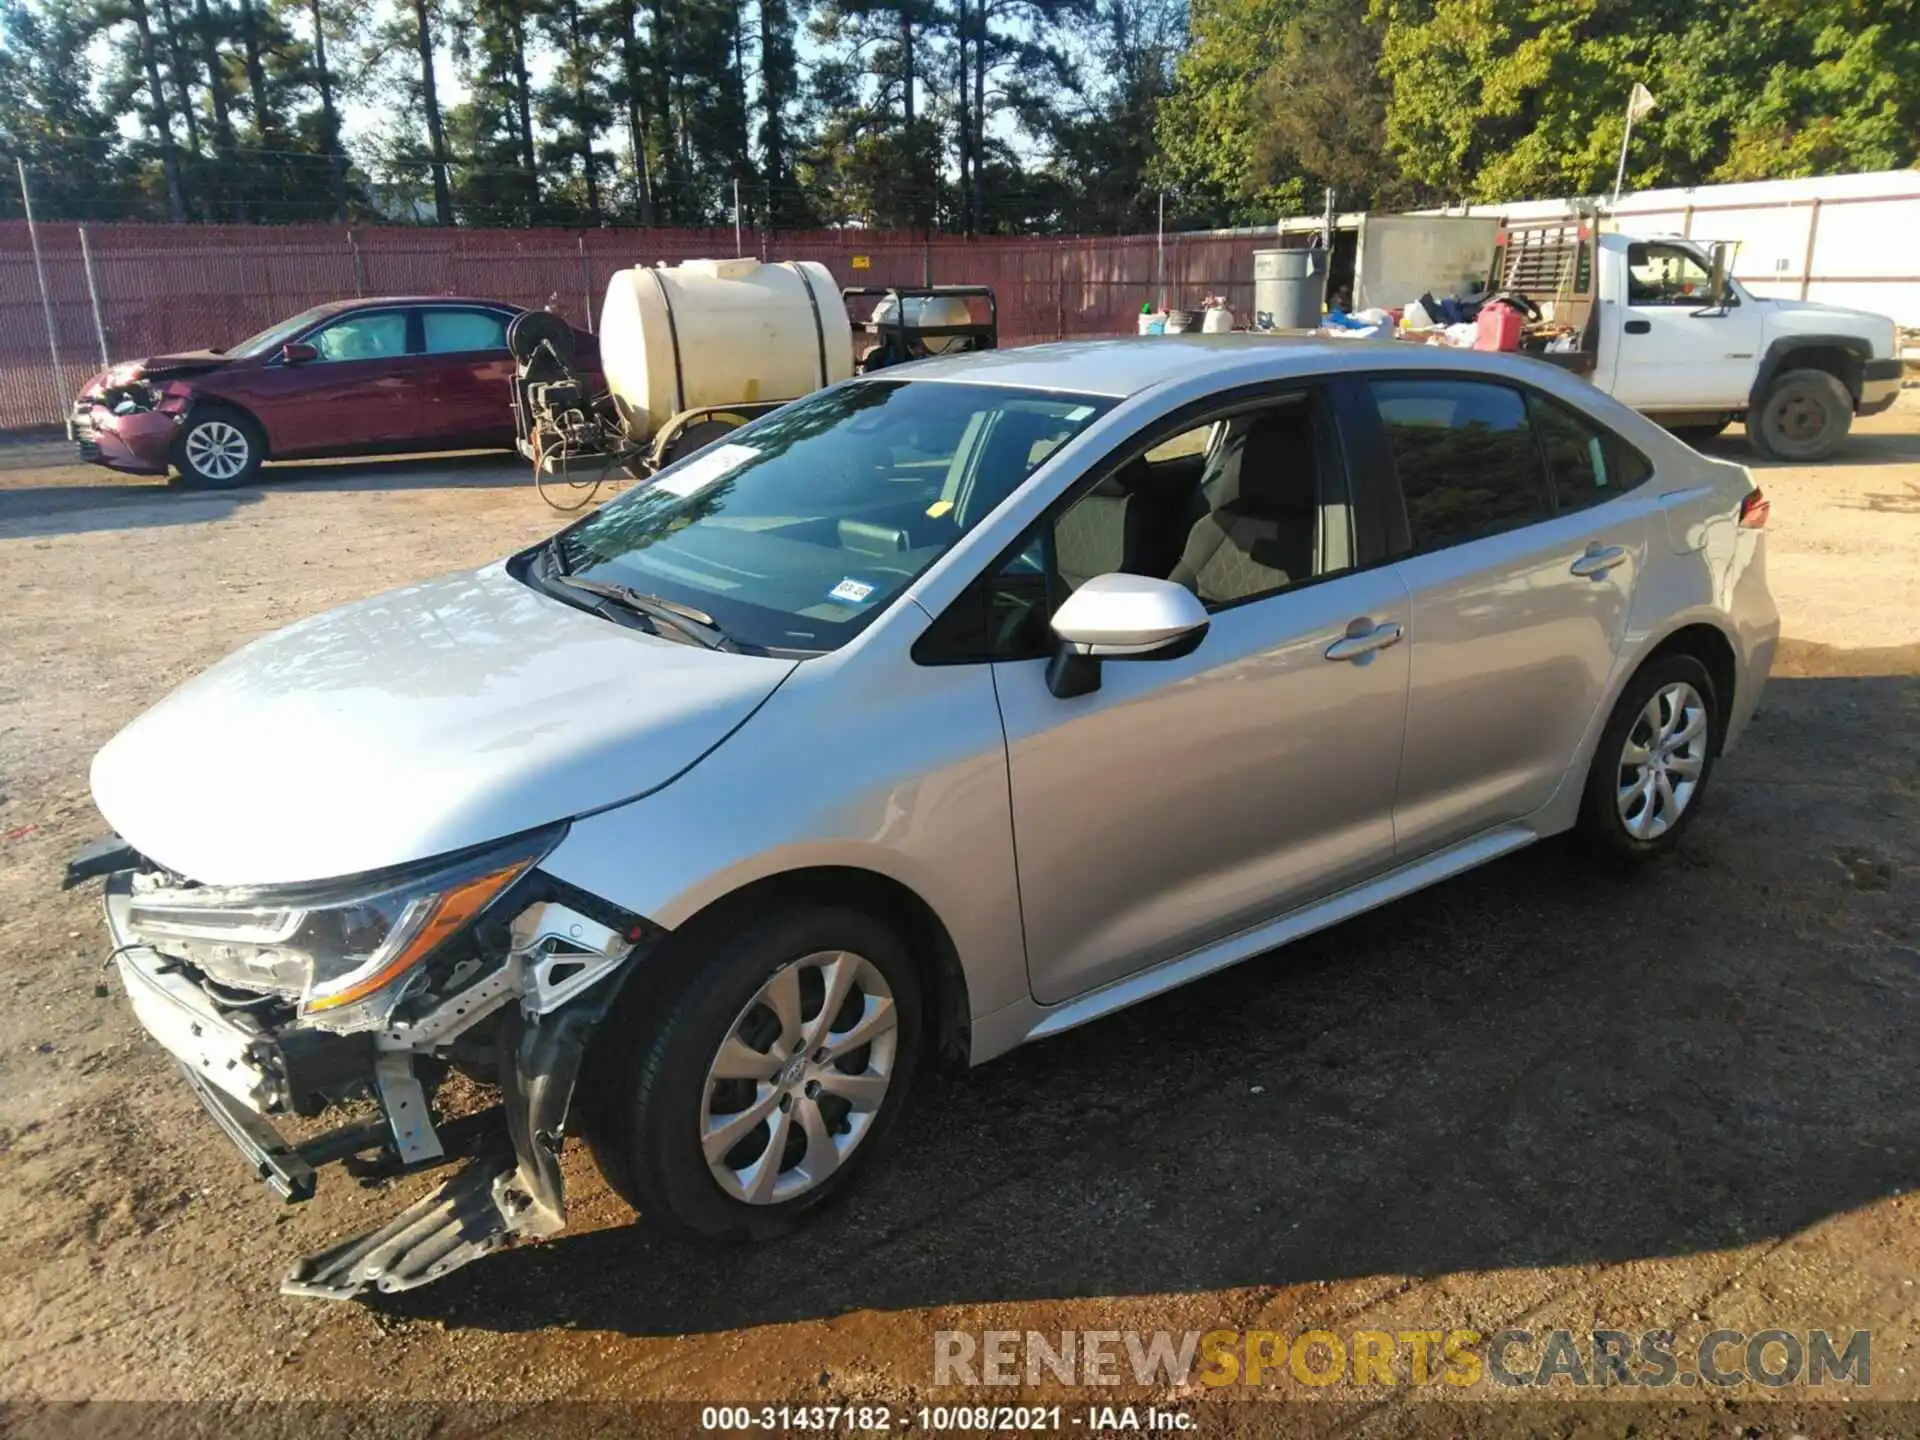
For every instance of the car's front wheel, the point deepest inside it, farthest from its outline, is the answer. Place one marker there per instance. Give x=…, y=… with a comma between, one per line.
x=771, y=1080
x=218, y=449
x=1654, y=759
x=1805, y=415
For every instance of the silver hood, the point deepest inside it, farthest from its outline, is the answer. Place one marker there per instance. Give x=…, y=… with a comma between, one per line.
x=415, y=723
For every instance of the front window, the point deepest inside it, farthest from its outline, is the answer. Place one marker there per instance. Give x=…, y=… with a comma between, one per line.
x=381, y=335
x=1663, y=274
x=274, y=336
x=795, y=531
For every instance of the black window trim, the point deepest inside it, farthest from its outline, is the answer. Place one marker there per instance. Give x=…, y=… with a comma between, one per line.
x=1369, y=536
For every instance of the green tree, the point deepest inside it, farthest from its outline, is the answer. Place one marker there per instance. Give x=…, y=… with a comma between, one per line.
x=574, y=108
x=493, y=131
x=49, y=116
x=1101, y=136
x=1206, y=127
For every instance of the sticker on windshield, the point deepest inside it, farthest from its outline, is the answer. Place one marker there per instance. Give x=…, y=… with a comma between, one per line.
x=703, y=469
x=851, y=590
x=1079, y=413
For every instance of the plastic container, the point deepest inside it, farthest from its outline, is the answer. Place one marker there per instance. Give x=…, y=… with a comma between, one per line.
x=931, y=311
x=719, y=332
x=1498, y=327
x=1153, y=322
x=1288, y=286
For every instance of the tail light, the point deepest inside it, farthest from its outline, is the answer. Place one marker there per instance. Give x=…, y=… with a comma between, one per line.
x=1755, y=509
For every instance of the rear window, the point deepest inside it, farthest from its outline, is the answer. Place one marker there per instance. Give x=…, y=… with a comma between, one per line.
x=449, y=332
x=1466, y=457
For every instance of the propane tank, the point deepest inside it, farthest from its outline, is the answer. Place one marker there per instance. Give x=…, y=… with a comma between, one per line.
x=719, y=332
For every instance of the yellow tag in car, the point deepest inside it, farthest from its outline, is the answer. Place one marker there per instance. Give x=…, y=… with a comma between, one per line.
x=938, y=508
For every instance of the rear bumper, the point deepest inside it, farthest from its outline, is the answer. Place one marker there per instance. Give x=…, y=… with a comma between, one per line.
x=1880, y=385
x=140, y=443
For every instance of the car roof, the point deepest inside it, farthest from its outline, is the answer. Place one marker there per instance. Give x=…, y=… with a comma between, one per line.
x=1130, y=366
x=374, y=302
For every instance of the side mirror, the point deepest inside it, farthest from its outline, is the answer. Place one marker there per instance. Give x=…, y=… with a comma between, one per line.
x=1121, y=617
x=298, y=352
x=1719, y=280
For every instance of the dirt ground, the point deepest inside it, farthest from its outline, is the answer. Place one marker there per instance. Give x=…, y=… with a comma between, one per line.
x=1536, y=1096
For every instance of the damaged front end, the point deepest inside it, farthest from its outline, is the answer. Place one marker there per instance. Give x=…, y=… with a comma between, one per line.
x=127, y=418
x=307, y=1000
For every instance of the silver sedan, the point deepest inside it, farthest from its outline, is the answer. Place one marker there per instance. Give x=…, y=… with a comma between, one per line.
x=940, y=711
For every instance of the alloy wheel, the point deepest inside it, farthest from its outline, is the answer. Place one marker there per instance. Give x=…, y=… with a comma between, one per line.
x=217, y=449
x=799, y=1077
x=1662, y=761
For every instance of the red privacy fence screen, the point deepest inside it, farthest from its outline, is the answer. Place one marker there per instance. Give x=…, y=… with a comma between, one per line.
x=132, y=290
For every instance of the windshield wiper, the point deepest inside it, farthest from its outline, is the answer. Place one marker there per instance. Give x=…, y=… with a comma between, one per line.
x=696, y=625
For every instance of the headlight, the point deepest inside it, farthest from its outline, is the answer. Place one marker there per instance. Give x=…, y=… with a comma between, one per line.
x=345, y=949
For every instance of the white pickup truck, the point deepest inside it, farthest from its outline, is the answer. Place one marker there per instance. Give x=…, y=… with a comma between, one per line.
x=1662, y=326
x=1659, y=322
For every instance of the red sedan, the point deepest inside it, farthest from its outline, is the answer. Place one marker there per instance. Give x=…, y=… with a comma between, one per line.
x=357, y=377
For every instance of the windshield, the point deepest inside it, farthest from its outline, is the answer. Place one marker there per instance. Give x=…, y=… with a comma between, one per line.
x=796, y=531
x=274, y=336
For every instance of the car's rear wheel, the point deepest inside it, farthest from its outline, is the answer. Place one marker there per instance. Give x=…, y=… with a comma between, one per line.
x=1655, y=756
x=1805, y=415
x=218, y=449
x=770, y=1082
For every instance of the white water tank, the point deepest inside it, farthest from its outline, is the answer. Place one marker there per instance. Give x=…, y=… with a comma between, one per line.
x=719, y=332
x=931, y=311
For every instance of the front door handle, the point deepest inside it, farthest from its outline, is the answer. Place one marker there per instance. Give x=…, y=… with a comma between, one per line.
x=1598, y=560
x=1638, y=327
x=1362, y=639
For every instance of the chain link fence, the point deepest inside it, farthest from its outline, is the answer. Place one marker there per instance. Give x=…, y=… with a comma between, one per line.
x=104, y=293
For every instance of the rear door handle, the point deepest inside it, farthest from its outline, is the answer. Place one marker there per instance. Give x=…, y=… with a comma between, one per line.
x=1638, y=327
x=1362, y=639
x=1598, y=560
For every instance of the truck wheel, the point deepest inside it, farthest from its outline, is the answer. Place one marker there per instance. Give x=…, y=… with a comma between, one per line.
x=218, y=449
x=1805, y=416
x=771, y=1080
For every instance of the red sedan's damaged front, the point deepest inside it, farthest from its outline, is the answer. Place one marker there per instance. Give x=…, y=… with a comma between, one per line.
x=126, y=422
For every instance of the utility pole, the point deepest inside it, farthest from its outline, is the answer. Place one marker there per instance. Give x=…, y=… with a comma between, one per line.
x=40, y=274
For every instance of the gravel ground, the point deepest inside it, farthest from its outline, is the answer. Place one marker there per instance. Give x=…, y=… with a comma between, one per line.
x=1535, y=1097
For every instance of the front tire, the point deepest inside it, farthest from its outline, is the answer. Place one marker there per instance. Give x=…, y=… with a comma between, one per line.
x=1805, y=416
x=769, y=1083
x=1650, y=771
x=218, y=449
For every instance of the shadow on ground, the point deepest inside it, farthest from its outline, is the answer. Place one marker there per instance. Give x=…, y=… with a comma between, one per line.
x=137, y=502
x=1875, y=447
x=1543, y=1063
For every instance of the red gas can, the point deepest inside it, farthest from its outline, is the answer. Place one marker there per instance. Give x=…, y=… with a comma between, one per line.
x=1498, y=327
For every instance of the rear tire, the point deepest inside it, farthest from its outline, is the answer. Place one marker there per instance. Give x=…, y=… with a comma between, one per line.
x=1805, y=416
x=686, y=1128
x=1650, y=771
x=217, y=449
